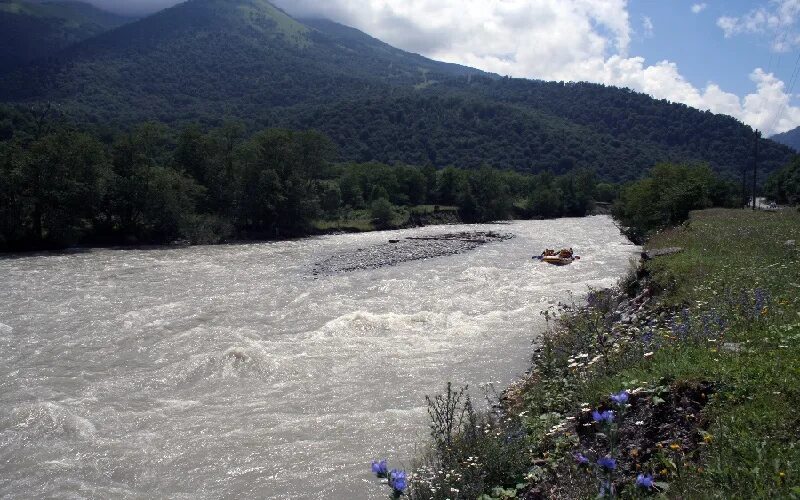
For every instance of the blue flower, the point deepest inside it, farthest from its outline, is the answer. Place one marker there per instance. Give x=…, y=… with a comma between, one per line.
x=645, y=481
x=607, y=463
x=606, y=416
x=397, y=480
x=380, y=468
x=620, y=398
x=581, y=459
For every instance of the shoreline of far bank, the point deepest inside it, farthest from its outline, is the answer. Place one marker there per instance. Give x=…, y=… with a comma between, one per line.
x=344, y=230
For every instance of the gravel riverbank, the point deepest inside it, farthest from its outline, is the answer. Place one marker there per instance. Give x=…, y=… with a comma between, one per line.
x=409, y=249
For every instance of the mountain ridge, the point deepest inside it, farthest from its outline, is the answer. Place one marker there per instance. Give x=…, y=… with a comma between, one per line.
x=210, y=60
x=32, y=30
x=790, y=138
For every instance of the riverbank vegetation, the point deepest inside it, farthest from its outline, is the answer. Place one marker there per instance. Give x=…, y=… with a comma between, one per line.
x=783, y=186
x=683, y=382
x=154, y=185
x=666, y=196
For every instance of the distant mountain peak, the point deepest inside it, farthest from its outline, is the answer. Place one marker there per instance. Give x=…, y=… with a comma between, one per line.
x=790, y=138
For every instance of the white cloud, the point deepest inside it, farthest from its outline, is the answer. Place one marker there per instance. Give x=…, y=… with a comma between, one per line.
x=699, y=7
x=776, y=20
x=553, y=40
x=647, y=26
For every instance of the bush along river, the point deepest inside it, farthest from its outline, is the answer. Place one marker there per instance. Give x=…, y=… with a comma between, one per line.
x=272, y=370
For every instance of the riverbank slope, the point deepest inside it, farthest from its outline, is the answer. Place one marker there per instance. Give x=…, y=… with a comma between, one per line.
x=701, y=350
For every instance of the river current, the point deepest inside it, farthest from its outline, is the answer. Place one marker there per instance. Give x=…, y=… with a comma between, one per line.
x=234, y=372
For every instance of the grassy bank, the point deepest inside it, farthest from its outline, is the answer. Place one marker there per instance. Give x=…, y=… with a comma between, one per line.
x=702, y=352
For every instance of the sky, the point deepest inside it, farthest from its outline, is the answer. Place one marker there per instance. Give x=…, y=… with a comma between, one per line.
x=737, y=57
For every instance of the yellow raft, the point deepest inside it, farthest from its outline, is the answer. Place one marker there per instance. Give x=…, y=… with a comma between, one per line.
x=558, y=261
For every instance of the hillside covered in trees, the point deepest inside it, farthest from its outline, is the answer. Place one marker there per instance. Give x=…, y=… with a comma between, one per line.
x=208, y=61
x=33, y=30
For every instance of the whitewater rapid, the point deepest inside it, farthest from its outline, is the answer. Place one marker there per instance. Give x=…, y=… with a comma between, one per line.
x=233, y=371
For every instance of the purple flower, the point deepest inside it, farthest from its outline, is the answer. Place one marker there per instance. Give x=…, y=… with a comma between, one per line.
x=645, y=481
x=397, y=480
x=581, y=459
x=620, y=398
x=380, y=468
x=606, y=416
x=607, y=463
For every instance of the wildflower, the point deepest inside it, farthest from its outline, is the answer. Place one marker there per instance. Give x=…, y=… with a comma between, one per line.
x=707, y=438
x=645, y=481
x=607, y=463
x=397, y=480
x=581, y=459
x=600, y=417
x=380, y=468
x=620, y=398
x=675, y=446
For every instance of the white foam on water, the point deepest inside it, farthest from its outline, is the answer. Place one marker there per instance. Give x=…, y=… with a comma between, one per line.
x=229, y=371
x=47, y=419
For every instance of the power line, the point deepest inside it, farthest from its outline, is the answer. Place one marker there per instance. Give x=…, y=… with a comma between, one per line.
x=792, y=83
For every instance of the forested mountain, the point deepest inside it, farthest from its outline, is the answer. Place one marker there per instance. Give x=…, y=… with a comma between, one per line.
x=208, y=61
x=31, y=30
x=790, y=138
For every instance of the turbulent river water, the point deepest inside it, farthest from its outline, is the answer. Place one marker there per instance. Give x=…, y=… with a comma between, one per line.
x=234, y=372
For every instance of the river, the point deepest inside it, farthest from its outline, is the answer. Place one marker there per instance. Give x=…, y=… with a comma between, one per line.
x=234, y=372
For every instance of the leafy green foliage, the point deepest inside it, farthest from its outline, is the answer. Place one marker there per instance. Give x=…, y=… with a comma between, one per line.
x=382, y=212
x=60, y=187
x=666, y=197
x=52, y=189
x=783, y=186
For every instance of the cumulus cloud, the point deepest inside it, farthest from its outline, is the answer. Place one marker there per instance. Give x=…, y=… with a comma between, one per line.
x=699, y=7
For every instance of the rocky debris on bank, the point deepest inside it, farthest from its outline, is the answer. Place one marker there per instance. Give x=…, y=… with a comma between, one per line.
x=660, y=252
x=406, y=250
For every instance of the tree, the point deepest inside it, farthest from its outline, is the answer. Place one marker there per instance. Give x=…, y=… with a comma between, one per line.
x=664, y=198
x=149, y=201
x=63, y=180
x=331, y=201
x=382, y=212
x=491, y=195
x=783, y=186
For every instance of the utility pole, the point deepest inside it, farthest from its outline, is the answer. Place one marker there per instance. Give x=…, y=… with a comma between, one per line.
x=744, y=186
x=755, y=169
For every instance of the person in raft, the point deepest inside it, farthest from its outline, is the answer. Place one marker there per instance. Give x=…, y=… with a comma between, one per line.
x=548, y=253
x=565, y=254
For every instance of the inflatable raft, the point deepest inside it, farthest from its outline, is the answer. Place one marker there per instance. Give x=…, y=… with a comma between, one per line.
x=557, y=259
